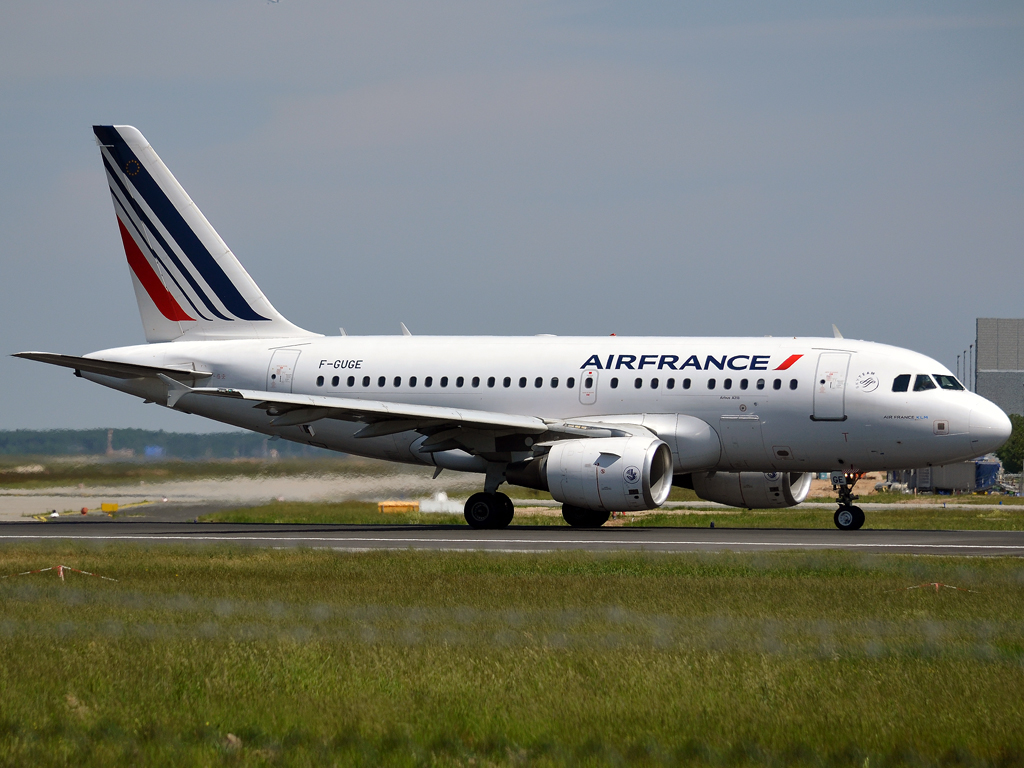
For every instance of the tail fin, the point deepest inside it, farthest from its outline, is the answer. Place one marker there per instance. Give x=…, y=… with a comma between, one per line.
x=187, y=282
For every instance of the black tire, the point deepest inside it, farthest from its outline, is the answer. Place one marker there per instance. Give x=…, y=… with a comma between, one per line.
x=510, y=510
x=578, y=517
x=486, y=511
x=846, y=518
x=858, y=515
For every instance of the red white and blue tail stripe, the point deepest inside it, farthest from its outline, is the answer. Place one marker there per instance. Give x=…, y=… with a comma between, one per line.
x=188, y=283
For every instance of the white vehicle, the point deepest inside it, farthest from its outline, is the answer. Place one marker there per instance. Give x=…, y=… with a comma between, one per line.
x=603, y=423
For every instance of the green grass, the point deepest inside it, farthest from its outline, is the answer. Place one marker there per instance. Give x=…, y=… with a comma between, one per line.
x=1006, y=518
x=98, y=471
x=264, y=657
x=346, y=513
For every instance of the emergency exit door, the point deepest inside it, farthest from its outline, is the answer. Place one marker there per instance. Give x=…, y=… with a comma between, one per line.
x=830, y=386
x=282, y=370
x=588, y=386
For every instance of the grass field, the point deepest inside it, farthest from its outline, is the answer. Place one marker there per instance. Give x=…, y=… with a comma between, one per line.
x=908, y=517
x=264, y=657
x=47, y=472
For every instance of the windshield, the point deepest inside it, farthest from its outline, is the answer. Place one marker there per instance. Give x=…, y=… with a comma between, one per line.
x=948, y=382
x=923, y=382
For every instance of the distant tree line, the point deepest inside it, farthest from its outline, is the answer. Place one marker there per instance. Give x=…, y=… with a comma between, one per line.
x=144, y=443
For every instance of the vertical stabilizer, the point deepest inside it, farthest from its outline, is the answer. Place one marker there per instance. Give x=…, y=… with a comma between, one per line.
x=188, y=283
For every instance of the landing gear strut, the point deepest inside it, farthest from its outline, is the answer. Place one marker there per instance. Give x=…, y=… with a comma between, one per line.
x=489, y=510
x=847, y=517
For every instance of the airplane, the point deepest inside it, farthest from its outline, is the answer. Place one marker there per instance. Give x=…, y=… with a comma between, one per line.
x=605, y=424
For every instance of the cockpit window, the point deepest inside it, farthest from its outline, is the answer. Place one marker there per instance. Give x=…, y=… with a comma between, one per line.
x=901, y=383
x=923, y=382
x=948, y=382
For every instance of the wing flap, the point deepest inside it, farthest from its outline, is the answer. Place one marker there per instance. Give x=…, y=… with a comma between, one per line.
x=292, y=409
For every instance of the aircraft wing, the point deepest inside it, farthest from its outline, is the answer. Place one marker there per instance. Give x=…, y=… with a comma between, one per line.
x=446, y=428
x=113, y=368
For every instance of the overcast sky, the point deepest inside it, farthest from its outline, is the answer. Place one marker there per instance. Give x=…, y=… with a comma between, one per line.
x=519, y=168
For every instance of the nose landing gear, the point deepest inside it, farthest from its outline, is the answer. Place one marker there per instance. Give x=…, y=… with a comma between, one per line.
x=847, y=517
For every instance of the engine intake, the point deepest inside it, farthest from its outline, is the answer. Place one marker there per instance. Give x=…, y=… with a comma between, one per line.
x=753, y=490
x=610, y=474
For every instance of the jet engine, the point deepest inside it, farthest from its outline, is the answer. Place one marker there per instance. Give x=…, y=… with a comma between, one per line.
x=608, y=474
x=753, y=490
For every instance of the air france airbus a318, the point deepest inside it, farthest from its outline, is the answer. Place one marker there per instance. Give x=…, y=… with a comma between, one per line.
x=603, y=423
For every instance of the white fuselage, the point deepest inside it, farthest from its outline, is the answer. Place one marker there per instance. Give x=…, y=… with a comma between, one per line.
x=778, y=404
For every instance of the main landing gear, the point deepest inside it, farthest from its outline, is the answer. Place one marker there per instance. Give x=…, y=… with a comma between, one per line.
x=489, y=510
x=847, y=517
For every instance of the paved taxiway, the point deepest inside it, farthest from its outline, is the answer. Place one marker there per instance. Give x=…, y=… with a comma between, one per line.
x=523, y=539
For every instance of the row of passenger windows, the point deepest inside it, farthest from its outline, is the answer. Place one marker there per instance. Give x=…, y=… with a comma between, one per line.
x=588, y=382
x=923, y=382
x=460, y=381
x=638, y=383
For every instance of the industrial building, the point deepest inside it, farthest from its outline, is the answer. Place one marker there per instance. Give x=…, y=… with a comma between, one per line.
x=999, y=362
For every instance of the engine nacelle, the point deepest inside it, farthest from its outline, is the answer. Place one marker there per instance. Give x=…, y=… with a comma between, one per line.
x=753, y=490
x=610, y=474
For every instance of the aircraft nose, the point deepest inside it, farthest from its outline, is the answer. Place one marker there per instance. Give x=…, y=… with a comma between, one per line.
x=989, y=428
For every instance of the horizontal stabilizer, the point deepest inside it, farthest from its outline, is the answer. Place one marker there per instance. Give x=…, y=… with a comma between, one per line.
x=113, y=368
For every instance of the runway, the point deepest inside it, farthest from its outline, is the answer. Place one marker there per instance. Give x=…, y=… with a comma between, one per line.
x=522, y=538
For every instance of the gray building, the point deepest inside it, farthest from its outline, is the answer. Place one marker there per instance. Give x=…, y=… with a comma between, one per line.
x=999, y=362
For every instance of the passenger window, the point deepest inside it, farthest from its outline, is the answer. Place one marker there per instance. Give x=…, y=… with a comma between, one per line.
x=727, y=383
x=490, y=381
x=923, y=383
x=412, y=381
x=554, y=382
x=351, y=381
x=777, y=384
x=476, y=382
x=570, y=382
x=948, y=382
x=686, y=383
x=398, y=381
x=615, y=383
x=428, y=381
x=459, y=381
x=711, y=383
x=444, y=381
x=506, y=382
x=319, y=381
x=901, y=383
x=743, y=383
x=522, y=382
x=366, y=381
x=760, y=383
x=538, y=382
x=654, y=383
x=670, y=383
x=792, y=383
x=588, y=382
x=381, y=381
x=637, y=383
